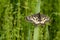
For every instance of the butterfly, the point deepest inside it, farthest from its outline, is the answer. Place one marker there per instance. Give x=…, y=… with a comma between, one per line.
x=38, y=19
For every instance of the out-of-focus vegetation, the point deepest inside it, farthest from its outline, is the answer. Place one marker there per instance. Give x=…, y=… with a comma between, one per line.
x=14, y=26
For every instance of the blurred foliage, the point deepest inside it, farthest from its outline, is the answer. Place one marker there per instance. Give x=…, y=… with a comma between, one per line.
x=14, y=26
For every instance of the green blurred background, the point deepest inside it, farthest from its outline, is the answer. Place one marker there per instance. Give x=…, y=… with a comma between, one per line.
x=13, y=25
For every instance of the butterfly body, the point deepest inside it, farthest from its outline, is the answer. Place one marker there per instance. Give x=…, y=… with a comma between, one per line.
x=38, y=18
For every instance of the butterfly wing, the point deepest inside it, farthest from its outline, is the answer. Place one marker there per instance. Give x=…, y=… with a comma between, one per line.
x=44, y=19
x=34, y=18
